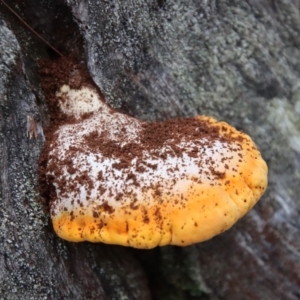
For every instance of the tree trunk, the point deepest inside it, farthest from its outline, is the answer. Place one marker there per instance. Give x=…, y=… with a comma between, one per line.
x=235, y=60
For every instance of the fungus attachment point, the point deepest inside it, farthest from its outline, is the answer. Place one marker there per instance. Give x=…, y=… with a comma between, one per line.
x=118, y=180
x=78, y=102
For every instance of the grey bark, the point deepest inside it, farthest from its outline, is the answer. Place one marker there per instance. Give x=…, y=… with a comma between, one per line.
x=235, y=60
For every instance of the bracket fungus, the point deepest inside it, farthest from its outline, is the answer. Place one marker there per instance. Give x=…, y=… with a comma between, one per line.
x=118, y=180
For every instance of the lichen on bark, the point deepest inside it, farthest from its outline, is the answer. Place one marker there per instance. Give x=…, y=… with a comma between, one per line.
x=235, y=60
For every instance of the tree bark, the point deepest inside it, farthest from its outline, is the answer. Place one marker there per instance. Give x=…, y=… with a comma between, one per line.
x=235, y=60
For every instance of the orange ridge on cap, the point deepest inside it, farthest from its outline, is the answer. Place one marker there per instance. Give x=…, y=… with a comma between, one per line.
x=206, y=211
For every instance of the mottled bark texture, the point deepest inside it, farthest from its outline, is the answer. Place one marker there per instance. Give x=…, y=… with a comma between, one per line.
x=235, y=60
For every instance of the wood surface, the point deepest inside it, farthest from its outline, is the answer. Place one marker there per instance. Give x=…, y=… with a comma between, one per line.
x=237, y=61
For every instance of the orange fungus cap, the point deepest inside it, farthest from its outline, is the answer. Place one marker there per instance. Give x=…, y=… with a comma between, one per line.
x=119, y=180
